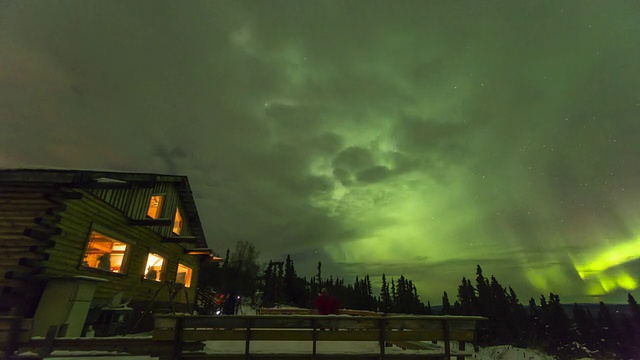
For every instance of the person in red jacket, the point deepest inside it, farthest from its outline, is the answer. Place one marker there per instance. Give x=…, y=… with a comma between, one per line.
x=326, y=303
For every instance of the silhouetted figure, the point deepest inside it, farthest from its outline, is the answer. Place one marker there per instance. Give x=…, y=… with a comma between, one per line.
x=104, y=262
x=229, y=306
x=326, y=303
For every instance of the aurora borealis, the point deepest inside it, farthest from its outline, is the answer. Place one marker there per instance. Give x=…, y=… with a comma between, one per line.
x=416, y=137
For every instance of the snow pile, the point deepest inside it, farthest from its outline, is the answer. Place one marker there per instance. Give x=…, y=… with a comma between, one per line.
x=508, y=352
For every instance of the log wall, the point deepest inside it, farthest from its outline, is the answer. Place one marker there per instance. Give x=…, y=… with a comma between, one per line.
x=26, y=226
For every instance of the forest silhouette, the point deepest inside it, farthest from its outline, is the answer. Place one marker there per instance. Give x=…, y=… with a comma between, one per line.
x=543, y=323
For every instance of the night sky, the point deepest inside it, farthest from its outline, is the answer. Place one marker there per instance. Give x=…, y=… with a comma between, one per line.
x=406, y=137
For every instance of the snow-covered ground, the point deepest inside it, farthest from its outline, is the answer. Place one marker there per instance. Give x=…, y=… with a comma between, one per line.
x=503, y=352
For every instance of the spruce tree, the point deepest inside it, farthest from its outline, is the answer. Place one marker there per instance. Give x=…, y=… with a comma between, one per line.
x=467, y=298
x=446, y=306
x=484, y=296
x=394, y=296
x=558, y=327
x=606, y=331
x=583, y=329
x=385, y=296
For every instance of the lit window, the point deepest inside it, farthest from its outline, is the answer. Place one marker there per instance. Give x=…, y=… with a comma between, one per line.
x=184, y=275
x=154, y=268
x=105, y=253
x=177, y=223
x=155, y=206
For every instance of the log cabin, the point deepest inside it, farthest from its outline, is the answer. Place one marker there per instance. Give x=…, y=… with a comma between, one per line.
x=87, y=237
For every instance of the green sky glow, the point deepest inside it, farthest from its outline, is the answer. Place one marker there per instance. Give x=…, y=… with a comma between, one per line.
x=417, y=137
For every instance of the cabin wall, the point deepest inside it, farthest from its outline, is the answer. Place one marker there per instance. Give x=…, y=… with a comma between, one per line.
x=26, y=223
x=91, y=213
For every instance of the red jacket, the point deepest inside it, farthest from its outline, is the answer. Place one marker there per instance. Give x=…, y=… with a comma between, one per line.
x=327, y=304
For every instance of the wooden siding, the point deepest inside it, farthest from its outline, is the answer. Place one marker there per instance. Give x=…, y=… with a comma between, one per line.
x=134, y=203
x=92, y=213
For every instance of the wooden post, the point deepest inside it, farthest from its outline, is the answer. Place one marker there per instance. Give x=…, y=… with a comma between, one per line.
x=12, y=325
x=247, y=339
x=461, y=347
x=314, y=336
x=475, y=338
x=177, y=338
x=186, y=296
x=447, y=337
x=47, y=347
x=381, y=328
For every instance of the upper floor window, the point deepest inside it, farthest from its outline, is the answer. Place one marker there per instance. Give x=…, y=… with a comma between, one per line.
x=154, y=269
x=105, y=253
x=177, y=223
x=184, y=275
x=155, y=206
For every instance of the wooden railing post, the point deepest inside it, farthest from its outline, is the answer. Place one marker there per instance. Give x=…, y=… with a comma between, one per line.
x=447, y=339
x=314, y=336
x=177, y=338
x=247, y=339
x=461, y=347
x=382, y=328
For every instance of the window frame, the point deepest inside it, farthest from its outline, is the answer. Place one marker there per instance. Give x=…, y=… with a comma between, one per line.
x=163, y=268
x=187, y=284
x=126, y=257
x=175, y=217
x=164, y=199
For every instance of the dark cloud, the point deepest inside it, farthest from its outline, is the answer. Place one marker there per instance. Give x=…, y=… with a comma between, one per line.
x=353, y=158
x=374, y=174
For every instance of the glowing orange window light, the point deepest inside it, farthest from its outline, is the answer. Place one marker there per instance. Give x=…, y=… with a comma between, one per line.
x=154, y=267
x=105, y=253
x=155, y=206
x=184, y=275
x=177, y=223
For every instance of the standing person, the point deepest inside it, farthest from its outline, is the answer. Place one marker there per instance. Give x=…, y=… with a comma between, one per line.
x=238, y=305
x=229, y=306
x=326, y=303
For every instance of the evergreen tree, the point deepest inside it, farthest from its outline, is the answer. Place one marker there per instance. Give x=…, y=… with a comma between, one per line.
x=519, y=318
x=633, y=326
x=289, y=282
x=385, y=296
x=536, y=321
x=606, y=331
x=394, y=297
x=467, y=298
x=370, y=301
x=633, y=306
x=558, y=327
x=244, y=269
x=583, y=329
x=446, y=306
x=484, y=296
x=268, y=286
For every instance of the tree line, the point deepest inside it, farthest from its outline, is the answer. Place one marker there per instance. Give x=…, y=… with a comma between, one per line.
x=542, y=323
